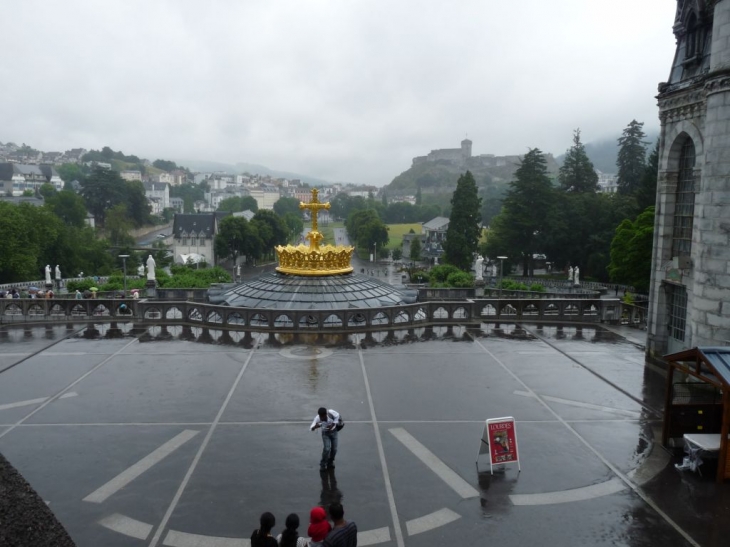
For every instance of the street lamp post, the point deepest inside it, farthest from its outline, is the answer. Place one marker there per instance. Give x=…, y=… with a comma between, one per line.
x=375, y=254
x=124, y=267
x=501, y=272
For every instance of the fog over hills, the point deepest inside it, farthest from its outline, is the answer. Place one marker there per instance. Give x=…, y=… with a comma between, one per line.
x=603, y=153
x=254, y=169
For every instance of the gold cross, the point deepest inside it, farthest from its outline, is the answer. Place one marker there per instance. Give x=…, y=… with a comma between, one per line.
x=314, y=206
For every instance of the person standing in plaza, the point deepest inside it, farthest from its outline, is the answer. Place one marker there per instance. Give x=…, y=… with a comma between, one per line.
x=330, y=422
x=343, y=534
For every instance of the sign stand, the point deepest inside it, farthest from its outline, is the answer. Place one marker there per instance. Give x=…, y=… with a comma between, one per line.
x=499, y=440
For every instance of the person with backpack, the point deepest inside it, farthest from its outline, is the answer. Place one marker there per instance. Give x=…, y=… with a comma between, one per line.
x=330, y=422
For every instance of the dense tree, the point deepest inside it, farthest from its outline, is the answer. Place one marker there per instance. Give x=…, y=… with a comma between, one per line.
x=238, y=237
x=35, y=236
x=646, y=193
x=102, y=190
x=342, y=205
x=165, y=165
x=236, y=204
x=287, y=205
x=71, y=171
x=295, y=225
x=271, y=228
x=367, y=230
x=577, y=173
x=69, y=207
x=47, y=190
x=520, y=229
x=492, y=196
x=415, y=254
x=462, y=235
x=631, y=251
x=631, y=158
x=138, y=208
x=118, y=226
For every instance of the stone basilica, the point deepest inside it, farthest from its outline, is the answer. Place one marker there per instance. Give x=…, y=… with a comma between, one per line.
x=690, y=285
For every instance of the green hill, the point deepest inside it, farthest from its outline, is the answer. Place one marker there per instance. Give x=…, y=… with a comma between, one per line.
x=440, y=176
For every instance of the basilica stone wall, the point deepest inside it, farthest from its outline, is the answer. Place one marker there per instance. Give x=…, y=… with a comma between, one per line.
x=690, y=289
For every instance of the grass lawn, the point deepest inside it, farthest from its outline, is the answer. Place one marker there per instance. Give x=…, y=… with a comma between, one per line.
x=328, y=231
x=397, y=231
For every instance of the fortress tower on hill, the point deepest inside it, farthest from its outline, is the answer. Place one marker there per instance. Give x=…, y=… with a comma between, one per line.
x=462, y=157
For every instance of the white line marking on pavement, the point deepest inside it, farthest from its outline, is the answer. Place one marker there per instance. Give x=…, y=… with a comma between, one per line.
x=444, y=472
x=125, y=477
x=127, y=526
x=373, y=537
x=429, y=522
x=183, y=539
x=629, y=413
x=65, y=389
x=201, y=449
x=566, y=496
x=29, y=402
x=637, y=489
x=381, y=454
x=140, y=530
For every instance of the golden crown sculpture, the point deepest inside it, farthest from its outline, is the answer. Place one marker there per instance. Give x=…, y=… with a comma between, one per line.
x=314, y=260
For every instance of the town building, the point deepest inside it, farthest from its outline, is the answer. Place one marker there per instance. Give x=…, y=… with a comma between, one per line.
x=690, y=279
x=17, y=178
x=607, y=182
x=131, y=175
x=193, y=236
x=158, y=194
x=435, y=232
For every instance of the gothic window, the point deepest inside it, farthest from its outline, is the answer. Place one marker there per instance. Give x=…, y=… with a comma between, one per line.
x=193, y=241
x=685, y=203
x=692, y=37
x=677, y=302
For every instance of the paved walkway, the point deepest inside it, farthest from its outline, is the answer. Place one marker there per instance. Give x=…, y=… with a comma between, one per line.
x=180, y=443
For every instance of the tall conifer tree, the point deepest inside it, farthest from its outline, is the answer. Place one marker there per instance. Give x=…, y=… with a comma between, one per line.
x=462, y=236
x=577, y=173
x=631, y=160
x=519, y=230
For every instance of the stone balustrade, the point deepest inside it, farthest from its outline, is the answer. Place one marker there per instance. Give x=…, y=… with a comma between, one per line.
x=456, y=312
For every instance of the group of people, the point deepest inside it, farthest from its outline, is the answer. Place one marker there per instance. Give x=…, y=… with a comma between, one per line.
x=14, y=293
x=321, y=533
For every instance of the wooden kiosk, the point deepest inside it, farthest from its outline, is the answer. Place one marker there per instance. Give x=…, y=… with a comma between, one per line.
x=697, y=406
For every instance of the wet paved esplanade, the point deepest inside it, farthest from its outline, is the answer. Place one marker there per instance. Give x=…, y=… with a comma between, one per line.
x=182, y=443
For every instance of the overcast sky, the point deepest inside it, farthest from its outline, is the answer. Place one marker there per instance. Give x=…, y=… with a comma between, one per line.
x=345, y=90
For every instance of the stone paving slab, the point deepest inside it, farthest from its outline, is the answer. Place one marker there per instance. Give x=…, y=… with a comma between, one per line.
x=243, y=446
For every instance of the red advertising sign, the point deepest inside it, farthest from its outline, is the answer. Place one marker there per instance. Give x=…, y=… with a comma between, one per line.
x=502, y=440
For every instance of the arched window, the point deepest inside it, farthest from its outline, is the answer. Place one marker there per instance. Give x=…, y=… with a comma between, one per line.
x=692, y=37
x=685, y=203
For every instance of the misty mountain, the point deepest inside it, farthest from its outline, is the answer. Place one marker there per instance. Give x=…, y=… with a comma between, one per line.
x=254, y=169
x=603, y=153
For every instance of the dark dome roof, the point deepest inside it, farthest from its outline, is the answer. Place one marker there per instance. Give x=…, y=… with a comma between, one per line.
x=275, y=290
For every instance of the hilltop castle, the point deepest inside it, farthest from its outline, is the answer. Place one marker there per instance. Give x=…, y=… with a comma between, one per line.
x=462, y=157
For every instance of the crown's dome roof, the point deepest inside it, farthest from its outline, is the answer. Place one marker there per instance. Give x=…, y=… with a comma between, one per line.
x=278, y=291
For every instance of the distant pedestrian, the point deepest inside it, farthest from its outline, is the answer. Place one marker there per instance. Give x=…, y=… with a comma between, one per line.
x=290, y=537
x=616, y=287
x=343, y=534
x=319, y=526
x=78, y=296
x=331, y=423
x=262, y=537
